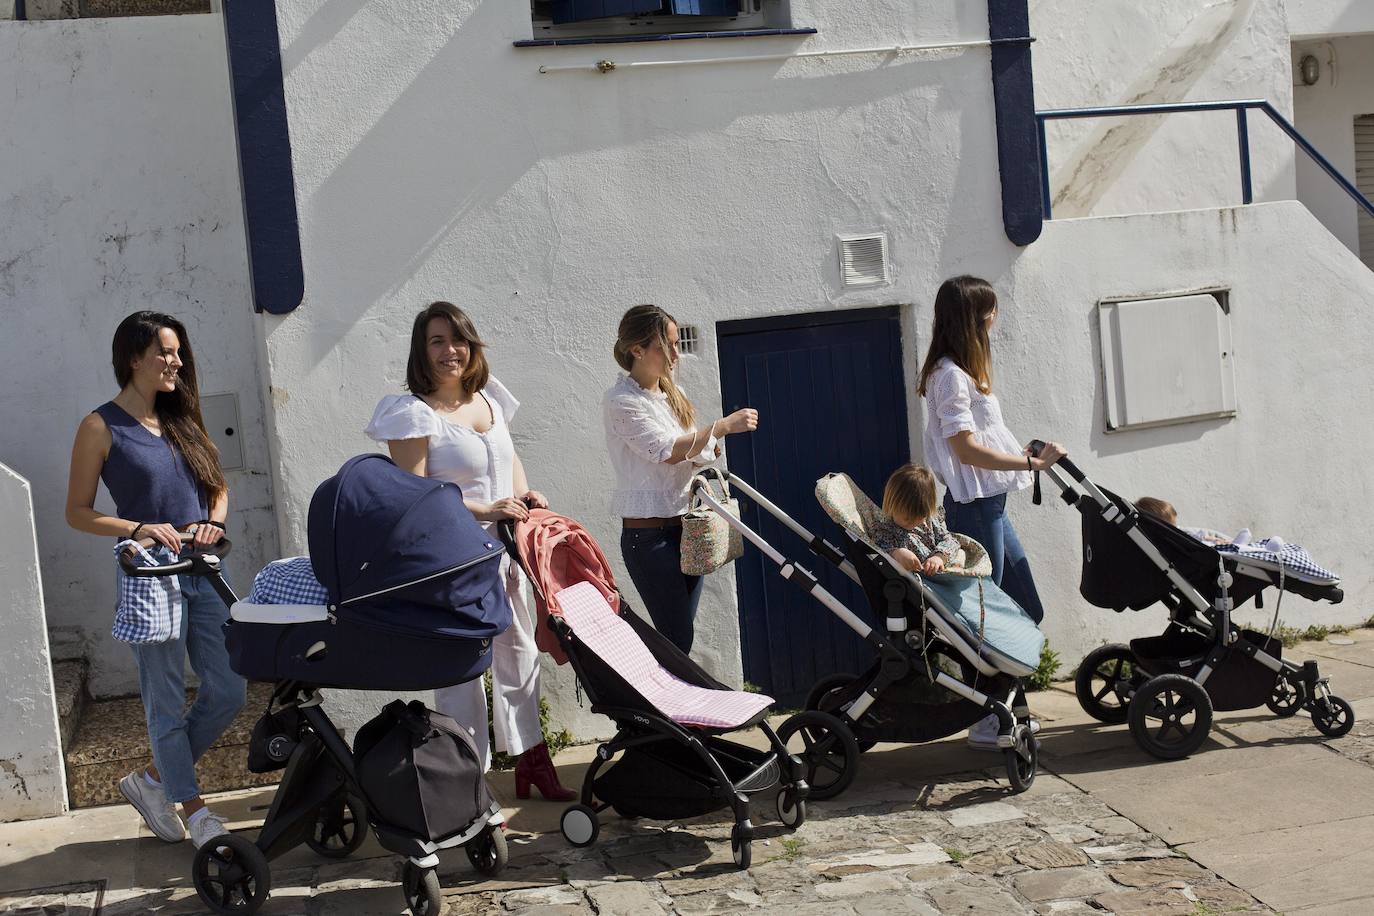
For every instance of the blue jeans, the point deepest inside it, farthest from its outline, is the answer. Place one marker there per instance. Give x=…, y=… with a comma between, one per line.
x=654, y=558
x=985, y=520
x=179, y=737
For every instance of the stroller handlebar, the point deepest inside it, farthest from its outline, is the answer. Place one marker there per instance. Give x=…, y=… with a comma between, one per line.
x=1038, y=445
x=196, y=562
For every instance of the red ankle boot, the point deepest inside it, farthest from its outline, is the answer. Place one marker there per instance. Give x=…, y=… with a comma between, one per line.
x=536, y=767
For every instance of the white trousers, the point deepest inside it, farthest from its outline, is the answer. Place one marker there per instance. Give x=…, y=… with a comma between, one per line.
x=514, y=683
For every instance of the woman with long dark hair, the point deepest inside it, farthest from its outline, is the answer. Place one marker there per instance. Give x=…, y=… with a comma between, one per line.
x=454, y=426
x=970, y=448
x=150, y=447
x=655, y=443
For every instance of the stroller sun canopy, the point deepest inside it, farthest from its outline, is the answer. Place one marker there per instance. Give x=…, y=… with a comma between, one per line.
x=405, y=551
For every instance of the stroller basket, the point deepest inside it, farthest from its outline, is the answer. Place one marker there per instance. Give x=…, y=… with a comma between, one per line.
x=667, y=780
x=1239, y=682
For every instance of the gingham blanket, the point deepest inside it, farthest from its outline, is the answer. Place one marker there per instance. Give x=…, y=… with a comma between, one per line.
x=604, y=632
x=1291, y=558
x=149, y=609
x=288, y=581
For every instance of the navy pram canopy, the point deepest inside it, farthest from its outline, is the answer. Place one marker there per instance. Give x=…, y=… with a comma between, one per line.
x=404, y=553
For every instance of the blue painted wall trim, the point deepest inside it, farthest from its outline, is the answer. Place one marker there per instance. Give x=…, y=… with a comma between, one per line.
x=264, y=140
x=1013, y=93
x=666, y=36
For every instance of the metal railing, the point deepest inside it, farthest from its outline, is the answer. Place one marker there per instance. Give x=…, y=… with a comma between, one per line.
x=1240, y=106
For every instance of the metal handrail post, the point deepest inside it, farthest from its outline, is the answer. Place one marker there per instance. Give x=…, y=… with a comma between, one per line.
x=1045, y=203
x=1247, y=194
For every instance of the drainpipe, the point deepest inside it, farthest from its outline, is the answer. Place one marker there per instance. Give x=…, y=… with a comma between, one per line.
x=1013, y=94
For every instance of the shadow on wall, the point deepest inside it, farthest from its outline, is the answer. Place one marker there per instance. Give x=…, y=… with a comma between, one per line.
x=401, y=192
x=1104, y=155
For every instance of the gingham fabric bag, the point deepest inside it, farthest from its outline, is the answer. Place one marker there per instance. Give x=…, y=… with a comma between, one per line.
x=149, y=609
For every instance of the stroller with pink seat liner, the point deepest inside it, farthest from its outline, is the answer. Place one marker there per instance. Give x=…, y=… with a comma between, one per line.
x=669, y=758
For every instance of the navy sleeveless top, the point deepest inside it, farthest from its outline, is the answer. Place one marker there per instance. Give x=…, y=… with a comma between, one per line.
x=148, y=478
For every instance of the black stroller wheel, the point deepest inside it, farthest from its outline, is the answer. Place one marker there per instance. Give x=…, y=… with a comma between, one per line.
x=340, y=828
x=827, y=749
x=741, y=848
x=231, y=875
x=1106, y=679
x=791, y=810
x=1333, y=716
x=579, y=825
x=421, y=887
x=1288, y=697
x=823, y=697
x=1023, y=761
x=488, y=851
x=1170, y=716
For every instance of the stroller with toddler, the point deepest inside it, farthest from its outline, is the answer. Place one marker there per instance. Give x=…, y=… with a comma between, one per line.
x=402, y=592
x=1168, y=686
x=954, y=647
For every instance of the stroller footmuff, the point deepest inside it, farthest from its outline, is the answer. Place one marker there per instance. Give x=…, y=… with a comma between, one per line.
x=1168, y=686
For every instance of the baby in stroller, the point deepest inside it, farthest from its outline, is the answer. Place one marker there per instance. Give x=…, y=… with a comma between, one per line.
x=910, y=529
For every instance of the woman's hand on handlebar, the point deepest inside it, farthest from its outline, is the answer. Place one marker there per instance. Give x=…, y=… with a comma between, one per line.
x=745, y=420
x=509, y=507
x=205, y=534
x=1050, y=452
x=164, y=534
x=533, y=499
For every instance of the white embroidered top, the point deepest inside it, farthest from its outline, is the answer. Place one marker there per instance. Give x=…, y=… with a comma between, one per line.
x=953, y=405
x=481, y=464
x=640, y=431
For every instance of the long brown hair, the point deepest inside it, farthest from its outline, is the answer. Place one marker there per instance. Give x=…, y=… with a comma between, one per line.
x=960, y=331
x=178, y=411
x=644, y=326
x=420, y=376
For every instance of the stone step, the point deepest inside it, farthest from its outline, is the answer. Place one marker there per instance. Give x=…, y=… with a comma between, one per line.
x=112, y=740
x=69, y=686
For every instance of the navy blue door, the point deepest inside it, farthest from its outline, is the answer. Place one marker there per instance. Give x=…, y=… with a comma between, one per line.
x=831, y=397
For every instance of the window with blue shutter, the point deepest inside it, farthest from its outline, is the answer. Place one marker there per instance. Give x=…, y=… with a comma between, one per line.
x=582, y=10
x=593, y=21
x=705, y=7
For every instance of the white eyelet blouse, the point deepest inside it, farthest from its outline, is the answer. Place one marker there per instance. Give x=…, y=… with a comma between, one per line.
x=953, y=405
x=640, y=431
x=481, y=464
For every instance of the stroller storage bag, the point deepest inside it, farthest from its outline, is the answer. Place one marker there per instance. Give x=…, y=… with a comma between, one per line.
x=422, y=770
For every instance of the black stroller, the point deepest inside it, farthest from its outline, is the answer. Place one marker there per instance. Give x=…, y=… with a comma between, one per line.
x=1168, y=686
x=670, y=715
x=406, y=595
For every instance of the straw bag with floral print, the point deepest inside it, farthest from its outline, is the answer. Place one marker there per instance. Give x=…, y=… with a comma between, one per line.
x=708, y=540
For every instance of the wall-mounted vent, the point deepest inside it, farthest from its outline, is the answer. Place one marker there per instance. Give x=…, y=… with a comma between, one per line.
x=863, y=260
x=687, y=338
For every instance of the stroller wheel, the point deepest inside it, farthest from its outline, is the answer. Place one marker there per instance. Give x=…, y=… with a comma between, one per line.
x=231, y=875
x=1105, y=681
x=741, y=848
x=1170, y=716
x=1023, y=760
x=827, y=749
x=340, y=828
x=580, y=825
x=421, y=887
x=824, y=696
x=1288, y=697
x=791, y=810
x=488, y=851
x=1333, y=716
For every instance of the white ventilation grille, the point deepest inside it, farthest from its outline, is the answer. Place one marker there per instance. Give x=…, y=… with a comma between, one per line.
x=863, y=260
x=687, y=338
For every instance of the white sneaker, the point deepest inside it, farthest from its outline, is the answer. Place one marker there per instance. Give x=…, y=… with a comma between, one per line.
x=983, y=733
x=151, y=801
x=206, y=827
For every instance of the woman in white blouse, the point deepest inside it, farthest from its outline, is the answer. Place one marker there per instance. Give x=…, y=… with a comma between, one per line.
x=969, y=447
x=454, y=426
x=655, y=442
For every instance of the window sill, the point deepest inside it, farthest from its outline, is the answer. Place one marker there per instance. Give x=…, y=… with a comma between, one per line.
x=668, y=36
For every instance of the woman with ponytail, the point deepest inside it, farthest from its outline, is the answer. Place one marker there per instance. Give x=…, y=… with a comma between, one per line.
x=150, y=447
x=655, y=442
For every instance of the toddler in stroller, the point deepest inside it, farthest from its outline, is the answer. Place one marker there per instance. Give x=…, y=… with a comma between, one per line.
x=1168, y=686
x=401, y=592
x=670, y=715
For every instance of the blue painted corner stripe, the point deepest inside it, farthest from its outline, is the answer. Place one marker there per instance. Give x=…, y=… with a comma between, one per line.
x=1013, y=93
x=264, y=140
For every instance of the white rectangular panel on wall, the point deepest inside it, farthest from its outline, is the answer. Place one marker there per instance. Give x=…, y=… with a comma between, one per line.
x=221, y=415
x=1166, y=360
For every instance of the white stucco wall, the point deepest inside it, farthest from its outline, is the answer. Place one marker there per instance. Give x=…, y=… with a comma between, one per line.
x=33, y=780
x=1122, y=52
x=120, y=192
x=1310, y=18
x=1326, y=113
